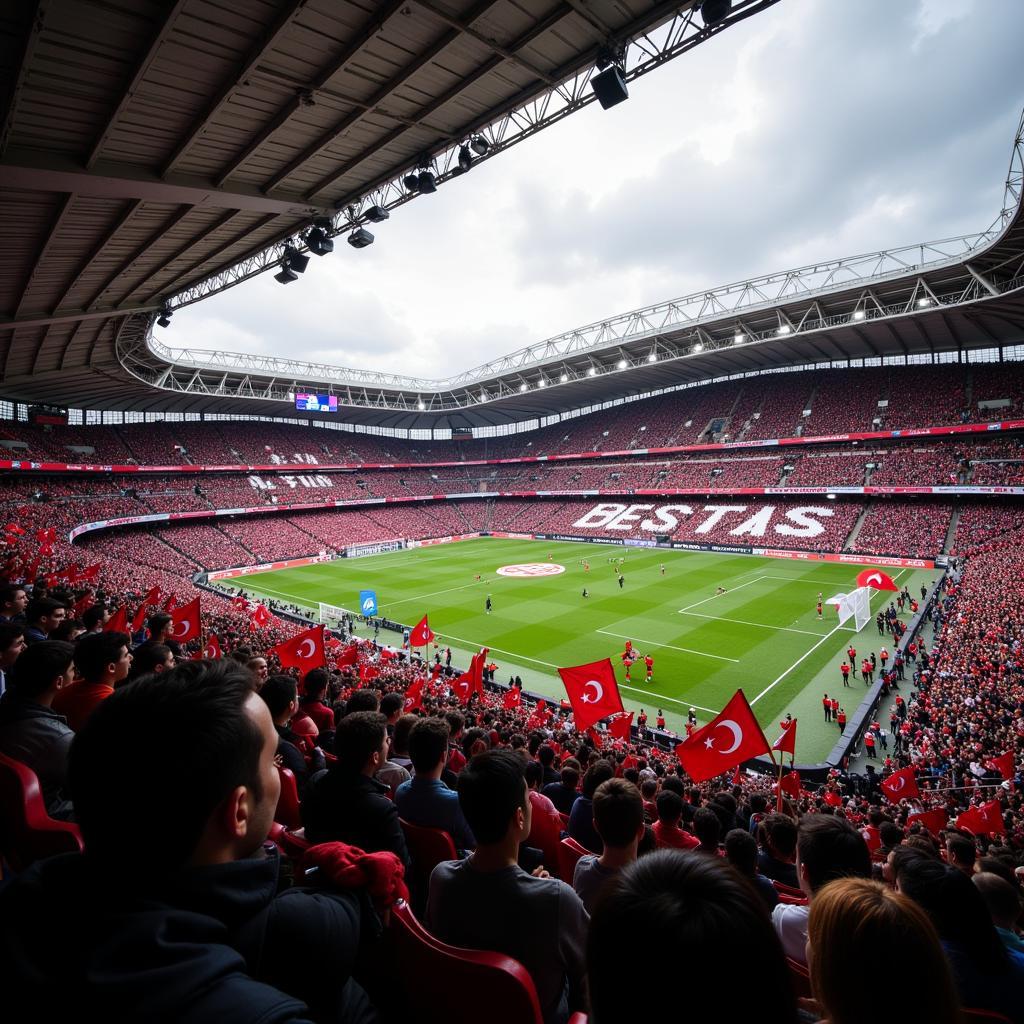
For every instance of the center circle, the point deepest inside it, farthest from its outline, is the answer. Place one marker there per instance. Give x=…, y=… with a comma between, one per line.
x=531, y=569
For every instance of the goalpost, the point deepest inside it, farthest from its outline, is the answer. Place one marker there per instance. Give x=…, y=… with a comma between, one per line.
x=332, y=615
x=856, y=605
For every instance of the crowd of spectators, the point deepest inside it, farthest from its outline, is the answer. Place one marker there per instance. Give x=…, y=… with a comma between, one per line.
x=916, y=528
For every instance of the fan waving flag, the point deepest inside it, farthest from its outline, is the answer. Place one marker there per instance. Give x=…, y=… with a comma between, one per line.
x=118, y=622
x=422, y=634
x=786, y=743
x=260, y=616
x=304, y=651
x=413, y=697
x=620, y=725
x=185, y=624
x=592, y=691
x=1004, y=765
x=512, y=699
x=211, y=652
x=934, y=820
x=901, y=785
x=988, y=818
x=727, y=740
x=876, y=579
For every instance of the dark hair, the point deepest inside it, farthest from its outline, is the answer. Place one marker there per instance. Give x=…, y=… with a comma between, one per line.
x=570, y=777
x=152, y=763
x=428, y=743
x=670, y=807
x=362, y=701
x=95, y=651
x=37, y=667
x=456, y=722
x=546, y=756
x=690, y=909
x=314, y=683
x=890, y=834
x=278, y=692
x=1001, y=897
x=674, y=784
x=8, y=592
x=9, y=632
x=41, y=607
x=961, y=848
x=491, y=788
x=390, y=703
x=955, y=907
x=618, y=812
x=600, y=771
x=741, y=851
x=403, y=730
x=146, y=657
x=358, y=737
x=830, y=847
x=93, y=616
x=707, y=827
x=533, y=772
x=779, y=832
x=156, y=623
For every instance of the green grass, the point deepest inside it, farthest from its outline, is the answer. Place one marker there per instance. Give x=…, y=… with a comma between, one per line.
x=762, y=635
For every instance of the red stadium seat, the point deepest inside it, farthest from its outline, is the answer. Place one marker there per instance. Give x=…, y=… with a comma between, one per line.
x=787, y=890
x=292, y=844
x=427, y=848
x=27, y=832
x=288, y=802
x=569, y=851
x=545, y=835
x=793, y=901
x=448, y=985
x=578, y=1018
x=800, y=977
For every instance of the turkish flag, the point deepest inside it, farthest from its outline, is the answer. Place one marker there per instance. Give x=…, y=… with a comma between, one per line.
x=413, y=697
x=260, y=617
x=832, y=798
x=170, y=603
x=349, y=656
x=729, y=739
x=83, y=603
x=592, y=691
x=786, y=743
x=1004, y=764
x=91, y=573
x=152, y=596
x=118, y=622
x=620, y=725
x=790, y=784
x=512, y=699
x=901, y=784
x=934, y=820
x=241, y=603
x=367, y=672
x=422, y=634
x=139, y=618
x=211, y=652
x=986, y=818
x=876, y=579
x=185, y=624
x=45, y=549
x=303, y=651
x=462, y=687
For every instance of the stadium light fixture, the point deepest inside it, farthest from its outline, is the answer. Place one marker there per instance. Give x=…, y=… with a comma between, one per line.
x=412, y=182
x=295, y=260
x=360, y=238
x=164, y=319
x=622, y=364
x=378, y=214
x=427, y=182
x=784, y=329
x=522, y=387
x=286, y=275
x=714, y=12
x=465, y=159
x=542, y=383
x=858, y=314
x=699, y=347
x=653, y=357
x=564, y=378
x=738, y=339
x=479, y=145
x=318, y=238
x=592, y=372
x=421, y=405
x=924, y=302
x=610, y=85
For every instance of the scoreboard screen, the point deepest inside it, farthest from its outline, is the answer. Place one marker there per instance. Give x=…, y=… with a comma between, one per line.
x=316, y=403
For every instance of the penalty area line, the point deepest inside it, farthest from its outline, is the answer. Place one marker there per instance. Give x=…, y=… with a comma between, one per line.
x=663, y=698
x=671, y=647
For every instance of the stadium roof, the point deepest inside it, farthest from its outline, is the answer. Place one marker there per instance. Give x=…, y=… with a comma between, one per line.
x=153, y=153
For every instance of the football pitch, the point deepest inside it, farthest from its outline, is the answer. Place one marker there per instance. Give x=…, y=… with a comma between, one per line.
x=762, y=634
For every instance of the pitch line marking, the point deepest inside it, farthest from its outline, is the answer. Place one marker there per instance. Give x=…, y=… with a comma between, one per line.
x=655, y=643
x=423, y=597
x=744, y=622
x=775, y=682
x=669, y=700
x=697, y=604
x=498, y=650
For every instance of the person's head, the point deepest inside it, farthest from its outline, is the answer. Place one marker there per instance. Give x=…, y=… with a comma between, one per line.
x=493, y=798
x=94, y=617
x=961, y=852
x=391, y=705
x=42, y=670
x=159, y=625
x=533, y=772
x=1001, y=897
x=13, y=600
x=257, y=666
x=890, y=834
x=618, y=813
x=600, y=771
x=151, y=658
x=955, y=907
x=670, y=807
x=649, y=789
x=403, y=729
x=69, y=630
x=741, y=851
x=362, y=700
x=851, y=920
x=428, y=745
x=570, y=777
x=707, y=827
x=104, y=657
x=827, y=848
x=777, y=834
x=279, y=693
x=361, y=743
x=546, y=756
x=12, y=644
x=314, y=684
x=690, y=910
x=45, y=613
x=209, y=787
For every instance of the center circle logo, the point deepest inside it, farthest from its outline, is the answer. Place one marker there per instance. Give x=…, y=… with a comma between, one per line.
x=530, y=569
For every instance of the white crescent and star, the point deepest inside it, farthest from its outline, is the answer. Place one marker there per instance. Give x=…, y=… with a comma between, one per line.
x=737, y=737
x=897, y=784
x=182, y=627
x=875, y=578
x=308, y=654
x=598, y=690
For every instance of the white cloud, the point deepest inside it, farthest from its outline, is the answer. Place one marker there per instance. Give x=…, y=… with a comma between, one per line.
x=808, y=132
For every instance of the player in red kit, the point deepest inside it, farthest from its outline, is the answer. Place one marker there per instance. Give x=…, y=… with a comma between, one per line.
x=649, y=664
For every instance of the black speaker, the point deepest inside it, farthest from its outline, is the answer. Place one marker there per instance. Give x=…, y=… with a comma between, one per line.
x=610, y=87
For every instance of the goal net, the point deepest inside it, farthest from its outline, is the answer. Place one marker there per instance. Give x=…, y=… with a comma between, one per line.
x=331, y=614
x=856, y=605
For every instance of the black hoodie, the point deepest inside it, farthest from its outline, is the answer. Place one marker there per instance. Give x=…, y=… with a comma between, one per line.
x=213, y=944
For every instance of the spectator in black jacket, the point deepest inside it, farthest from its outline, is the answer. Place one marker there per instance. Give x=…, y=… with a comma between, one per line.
x=280, y=694
x=346, y=802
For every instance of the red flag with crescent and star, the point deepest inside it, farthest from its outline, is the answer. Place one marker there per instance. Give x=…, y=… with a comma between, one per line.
x=729, y=739
x=986, y=819
x=934, y=820
x=876, y=579
x=592, y=691
x=260, y=617
x=786, y=743
x=512, y=699
x=422, y=634
x=413, y=697
x=901, y=785
x=211, y=651
x=620, y=725
x=304, y=651
x=185, y=624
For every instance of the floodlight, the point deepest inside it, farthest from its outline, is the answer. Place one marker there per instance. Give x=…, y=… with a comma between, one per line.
x=479, y=145
x=378, y=214
x=421, y=405
x=426, y=180
x=319, y=242
x=295, y=260
x=699, y=347
x=360, y=238
x=164, y=319
x=714, y=12
x=542, y=383
x=592, y=372
x=653, y=357
x=738, y=339
x=924, y=302
x=610, y=87
x=622, y=364
x=522, y=387
x=858, y=314
x=783, y=329
x=465, y=158
x=412, y=182
x=564, y=378
x=286, y=275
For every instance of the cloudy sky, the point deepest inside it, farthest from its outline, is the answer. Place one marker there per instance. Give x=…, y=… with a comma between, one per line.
x=819, y=129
